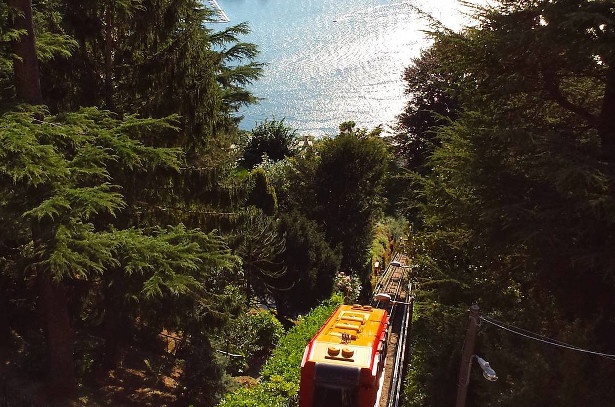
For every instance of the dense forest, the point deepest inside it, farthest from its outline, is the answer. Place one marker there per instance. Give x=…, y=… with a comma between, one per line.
x=146, y=238
x=152, y=253
x=509, y=140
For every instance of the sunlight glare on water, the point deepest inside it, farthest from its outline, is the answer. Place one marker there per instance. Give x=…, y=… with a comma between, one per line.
x=329, y=61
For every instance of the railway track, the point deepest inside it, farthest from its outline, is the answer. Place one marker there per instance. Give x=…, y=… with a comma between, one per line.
x=395, y=282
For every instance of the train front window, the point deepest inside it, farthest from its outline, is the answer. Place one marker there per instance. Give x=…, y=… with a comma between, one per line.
x=336, y=385
x=335, y=396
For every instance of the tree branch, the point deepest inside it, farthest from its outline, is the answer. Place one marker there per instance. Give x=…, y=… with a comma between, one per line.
x=551, y=85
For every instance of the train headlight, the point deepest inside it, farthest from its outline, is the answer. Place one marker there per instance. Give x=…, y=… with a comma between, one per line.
x=347, y=352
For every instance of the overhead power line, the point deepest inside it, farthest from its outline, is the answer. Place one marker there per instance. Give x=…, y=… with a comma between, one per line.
x=543, y=339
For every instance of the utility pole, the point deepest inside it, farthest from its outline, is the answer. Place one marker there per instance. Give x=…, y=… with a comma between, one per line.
x=466, y=356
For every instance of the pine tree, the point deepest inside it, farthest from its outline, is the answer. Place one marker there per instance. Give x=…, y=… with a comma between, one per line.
x=57, y=187
x=256, y=241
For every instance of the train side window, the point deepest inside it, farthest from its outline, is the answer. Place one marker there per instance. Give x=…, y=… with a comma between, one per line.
x=335, y=396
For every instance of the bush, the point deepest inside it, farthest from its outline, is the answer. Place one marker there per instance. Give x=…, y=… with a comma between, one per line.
x=310, y=262
x=253, y=335
x=271, y=138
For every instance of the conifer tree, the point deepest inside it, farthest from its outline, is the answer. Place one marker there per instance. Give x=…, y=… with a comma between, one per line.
x=155, y=58
x=256, y=241
x=58, y=187
x=310, y=262
x=518, y=209
x=347, y=187
x=25, y=63
x=72, y=209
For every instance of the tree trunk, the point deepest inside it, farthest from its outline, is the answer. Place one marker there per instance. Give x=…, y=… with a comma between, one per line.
x=117, y=326
x=53, y=304
x=5, y=327
x=109, y=10
x=54, y=308
x=111, y=326
x=25, y=67
x=607, y=115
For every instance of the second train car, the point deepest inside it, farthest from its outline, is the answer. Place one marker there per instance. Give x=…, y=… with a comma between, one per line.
x=343, y=364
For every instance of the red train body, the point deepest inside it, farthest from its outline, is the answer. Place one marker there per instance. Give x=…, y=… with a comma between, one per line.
x=343, y=364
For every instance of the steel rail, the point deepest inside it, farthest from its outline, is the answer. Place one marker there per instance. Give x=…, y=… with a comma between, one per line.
x=401, y=352
x=394, y=287
x=385, y=279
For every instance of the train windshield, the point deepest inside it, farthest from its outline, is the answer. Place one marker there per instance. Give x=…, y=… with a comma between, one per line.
x=335, y=397
x=336, y=386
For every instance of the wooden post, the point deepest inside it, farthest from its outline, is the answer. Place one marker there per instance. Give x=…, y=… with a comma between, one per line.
x=466, y=356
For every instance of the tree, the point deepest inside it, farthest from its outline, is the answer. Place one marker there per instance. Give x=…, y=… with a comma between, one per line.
x=156, y=58
x=311, y=265
x=432, y=104
x=84, y=193
x=257, y=242
x=262, y=194
x=271, y=138
x=57, y=186
x=347, y=187
x=517, y=206
x=25, y=63
x=338, y=183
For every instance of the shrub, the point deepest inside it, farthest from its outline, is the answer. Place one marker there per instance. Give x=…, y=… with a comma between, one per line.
x=271, y=138
x=349, y=286
x=253, y=335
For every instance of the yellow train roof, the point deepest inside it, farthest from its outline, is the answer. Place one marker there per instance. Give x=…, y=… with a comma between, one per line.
x=349, y=336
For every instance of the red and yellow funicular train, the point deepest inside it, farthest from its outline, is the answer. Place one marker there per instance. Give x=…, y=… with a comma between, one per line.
x=343, y=364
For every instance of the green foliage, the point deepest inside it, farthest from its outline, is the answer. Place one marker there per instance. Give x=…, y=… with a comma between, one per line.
x=286, y=358
x=348, y=182
x=200, y=371
x=253, y=335
x=262, y=194
x=271, y=138
x=174, y=259
x=281, y=373
x=310, y=262
x=57, y=183
x=433, y=104
x=265, y=330
x=347, y=286
x=336, y=183
x=56, y=176
x=64, y=207
x=517, y=205
x=274, y=393
x=432, y=320
x=86, y=195
x=7, y=34
x=387, y=238
x=257, y=242
x=153, y=58
x=277, y=174
x=49, y=46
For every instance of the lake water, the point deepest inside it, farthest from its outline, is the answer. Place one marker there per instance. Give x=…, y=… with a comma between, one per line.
x=330, y=61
